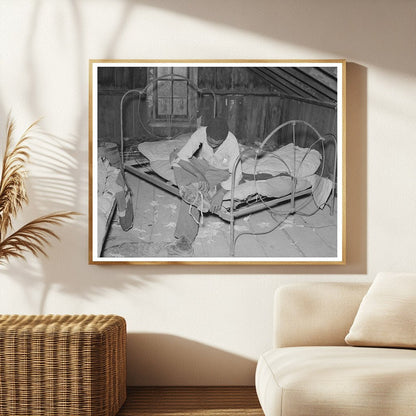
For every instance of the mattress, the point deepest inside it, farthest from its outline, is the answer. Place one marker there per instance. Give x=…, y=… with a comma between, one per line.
x=279, y=165
x=297, y=161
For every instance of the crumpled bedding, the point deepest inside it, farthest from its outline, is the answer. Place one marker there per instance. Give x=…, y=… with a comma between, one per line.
x=290, y=159
x=321, y=189
x=161, y=149
x=275, y=187
x=111, y=191
x=107, y=186
x=297, y=161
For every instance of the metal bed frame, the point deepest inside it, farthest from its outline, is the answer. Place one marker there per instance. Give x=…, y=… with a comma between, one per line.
x=146, y=173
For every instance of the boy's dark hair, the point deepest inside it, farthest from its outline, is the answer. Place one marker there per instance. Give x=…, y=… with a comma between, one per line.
x=217, y=128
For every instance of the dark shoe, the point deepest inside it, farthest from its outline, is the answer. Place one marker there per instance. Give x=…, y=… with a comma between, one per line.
x=182, y=247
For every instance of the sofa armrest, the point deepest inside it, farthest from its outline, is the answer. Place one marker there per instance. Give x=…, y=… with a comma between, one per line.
x=315, y=313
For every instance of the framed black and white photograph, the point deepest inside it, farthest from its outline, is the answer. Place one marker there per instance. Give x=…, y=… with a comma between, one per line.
x=208, y=162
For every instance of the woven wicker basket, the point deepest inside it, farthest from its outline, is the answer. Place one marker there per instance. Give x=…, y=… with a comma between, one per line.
x=71, y=365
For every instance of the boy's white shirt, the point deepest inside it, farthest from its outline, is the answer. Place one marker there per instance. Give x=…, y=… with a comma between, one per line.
x=223, y=158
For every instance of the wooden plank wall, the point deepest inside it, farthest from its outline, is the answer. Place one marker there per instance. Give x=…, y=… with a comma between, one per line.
x=252, y=106
x=113, y=82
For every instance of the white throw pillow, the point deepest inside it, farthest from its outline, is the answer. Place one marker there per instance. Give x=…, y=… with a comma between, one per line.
x=387, y=314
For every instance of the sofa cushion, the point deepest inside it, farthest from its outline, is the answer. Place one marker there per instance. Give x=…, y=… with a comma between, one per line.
x=304, y=381
x=387, y=314
x=315, y=313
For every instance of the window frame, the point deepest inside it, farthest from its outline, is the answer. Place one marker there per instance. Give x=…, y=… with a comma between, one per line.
x=157, y=120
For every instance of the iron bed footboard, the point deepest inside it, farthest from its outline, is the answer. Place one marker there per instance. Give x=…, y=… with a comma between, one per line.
x=229, y=216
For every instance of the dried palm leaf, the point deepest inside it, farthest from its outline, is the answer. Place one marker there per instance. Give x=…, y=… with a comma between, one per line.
x=12, y=182
x=33, y=237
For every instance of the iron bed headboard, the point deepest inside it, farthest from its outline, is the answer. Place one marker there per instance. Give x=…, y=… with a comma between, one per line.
x=144, y=91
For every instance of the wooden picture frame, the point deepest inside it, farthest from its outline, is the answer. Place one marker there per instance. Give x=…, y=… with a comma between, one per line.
x=284, y=201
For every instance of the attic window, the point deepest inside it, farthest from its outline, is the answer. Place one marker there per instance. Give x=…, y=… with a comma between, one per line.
x=172, y=93
x=173, y=99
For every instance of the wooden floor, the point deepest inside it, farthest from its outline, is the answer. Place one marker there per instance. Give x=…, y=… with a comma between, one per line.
x=156, y=212
x=191, y=401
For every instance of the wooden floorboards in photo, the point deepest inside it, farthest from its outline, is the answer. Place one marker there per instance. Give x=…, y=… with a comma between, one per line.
x=292, y=236
x=191, y=401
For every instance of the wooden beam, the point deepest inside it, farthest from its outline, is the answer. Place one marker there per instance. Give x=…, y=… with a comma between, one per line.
x=279, y=83
x=320, y=81
x=303, y=81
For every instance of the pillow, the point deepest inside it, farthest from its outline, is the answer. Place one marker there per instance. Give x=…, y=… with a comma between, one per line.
x=161, y=149
x=386, y=316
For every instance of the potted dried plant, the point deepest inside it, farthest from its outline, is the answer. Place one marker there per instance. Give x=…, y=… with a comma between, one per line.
x=34, y=236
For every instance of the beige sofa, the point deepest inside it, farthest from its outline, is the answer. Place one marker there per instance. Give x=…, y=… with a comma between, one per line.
x=311, y=370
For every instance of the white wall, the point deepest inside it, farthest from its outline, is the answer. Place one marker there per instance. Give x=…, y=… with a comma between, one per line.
x=204, y=324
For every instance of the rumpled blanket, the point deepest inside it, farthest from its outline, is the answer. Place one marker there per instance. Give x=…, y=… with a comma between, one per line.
x=293, y=160
x=108, y=185
x=297, y=161
x=111, y=189
x=321, y=190
x=276, y=187
x=273, y=187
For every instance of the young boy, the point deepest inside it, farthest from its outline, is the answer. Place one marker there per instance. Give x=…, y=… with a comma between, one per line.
x=204, y=180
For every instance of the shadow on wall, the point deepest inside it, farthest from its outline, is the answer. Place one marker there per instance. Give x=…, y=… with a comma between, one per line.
x=53, y=187
x=333, y=27
x=161, y=359
x=64, y=185
x=73, y=15
x=60, y=183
